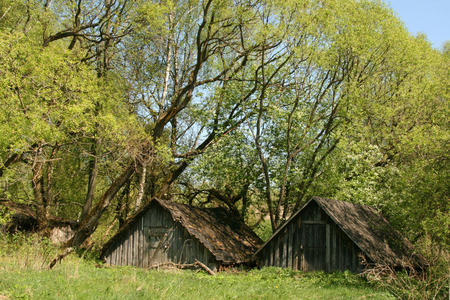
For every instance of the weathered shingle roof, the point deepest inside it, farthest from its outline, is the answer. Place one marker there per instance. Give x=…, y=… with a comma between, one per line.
x=225, y=235
x=369, y=230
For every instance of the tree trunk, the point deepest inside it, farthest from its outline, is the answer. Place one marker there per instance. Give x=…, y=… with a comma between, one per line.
x=12, y=159
x=90, y=223
x=93, y=172
x=48, y=189
x=141, y=187
x=38, y=190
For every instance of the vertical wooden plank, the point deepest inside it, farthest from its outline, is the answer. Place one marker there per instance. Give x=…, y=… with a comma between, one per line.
x=297, y=239
x=332, y=247
x=136, y=244
x=303, y=236
x=341, y=252
x=175, y=248
x=124, y=254
x=285, y=247
x=289, y=244
x=131, y=262
x=121, y=251
x=280, y=249
x=146, y=229
x=126, y=245
x=345, y=254
x=147, y=217
x=142, y=242
x=205, y=256
x=139, y=241
x=294, y=244
x=133, y=247
x=327, y=248
x=114, y=255
x=180, y=252
x=124, y=249
x=265, y=257
x=277, y=251
x=337, y=250
x=118, y=253
x=189, y=251
x=353, y=261
x=129, y=249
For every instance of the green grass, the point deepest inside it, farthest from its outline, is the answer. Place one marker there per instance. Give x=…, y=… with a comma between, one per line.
x=80, y=279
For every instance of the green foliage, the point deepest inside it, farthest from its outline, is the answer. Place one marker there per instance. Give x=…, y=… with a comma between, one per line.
x=5, y=216
x=264, y=230
x=25, y=252
x=249, y=104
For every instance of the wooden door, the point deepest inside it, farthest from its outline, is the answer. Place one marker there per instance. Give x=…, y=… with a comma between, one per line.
x=313, y=247
x=159, y=241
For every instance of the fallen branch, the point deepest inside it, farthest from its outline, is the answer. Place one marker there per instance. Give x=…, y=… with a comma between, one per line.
x=171, y=264
x=60, y=257
x=184, y=266
x=204, y=267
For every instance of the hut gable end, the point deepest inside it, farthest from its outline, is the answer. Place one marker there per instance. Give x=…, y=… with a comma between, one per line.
x=371, y=232
x=164, y=231
x=333, y=235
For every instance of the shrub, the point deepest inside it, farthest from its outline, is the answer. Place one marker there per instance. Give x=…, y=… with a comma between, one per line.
x=431, y=283
x=26, y=251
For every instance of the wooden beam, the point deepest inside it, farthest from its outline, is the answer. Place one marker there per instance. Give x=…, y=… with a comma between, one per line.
x=314, y=222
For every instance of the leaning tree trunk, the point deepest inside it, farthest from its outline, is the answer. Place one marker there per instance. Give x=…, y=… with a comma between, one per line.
x=140, y=195
x=88, y=225
x=92, y=183
x=38, y=191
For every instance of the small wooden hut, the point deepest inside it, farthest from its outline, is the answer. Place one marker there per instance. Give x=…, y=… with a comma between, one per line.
x=333, y=235
x=167, y=232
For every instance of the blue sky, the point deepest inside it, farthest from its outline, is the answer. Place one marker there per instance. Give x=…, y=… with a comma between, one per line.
x=431, y=17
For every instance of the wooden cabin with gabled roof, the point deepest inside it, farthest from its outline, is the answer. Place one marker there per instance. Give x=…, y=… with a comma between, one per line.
x=167, y=232
x=331, y=235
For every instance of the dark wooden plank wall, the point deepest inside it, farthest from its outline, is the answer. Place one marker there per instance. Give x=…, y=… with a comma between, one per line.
x=311, y=241
x=155, y=239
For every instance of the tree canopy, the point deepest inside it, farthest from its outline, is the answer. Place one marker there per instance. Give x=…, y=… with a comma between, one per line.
x=251, y=105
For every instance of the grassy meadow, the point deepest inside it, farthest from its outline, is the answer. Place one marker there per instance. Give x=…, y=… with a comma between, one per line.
x=76, y=278
x=24, y=275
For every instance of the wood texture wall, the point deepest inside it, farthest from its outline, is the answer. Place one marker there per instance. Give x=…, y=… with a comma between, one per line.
x=311, y=241
x=154, y=239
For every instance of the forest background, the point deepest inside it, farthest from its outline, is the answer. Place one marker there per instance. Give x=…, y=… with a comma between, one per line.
x=251, y=105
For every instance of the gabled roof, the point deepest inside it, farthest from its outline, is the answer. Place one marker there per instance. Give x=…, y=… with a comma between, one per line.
x=369, y=230
x=224, y=235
